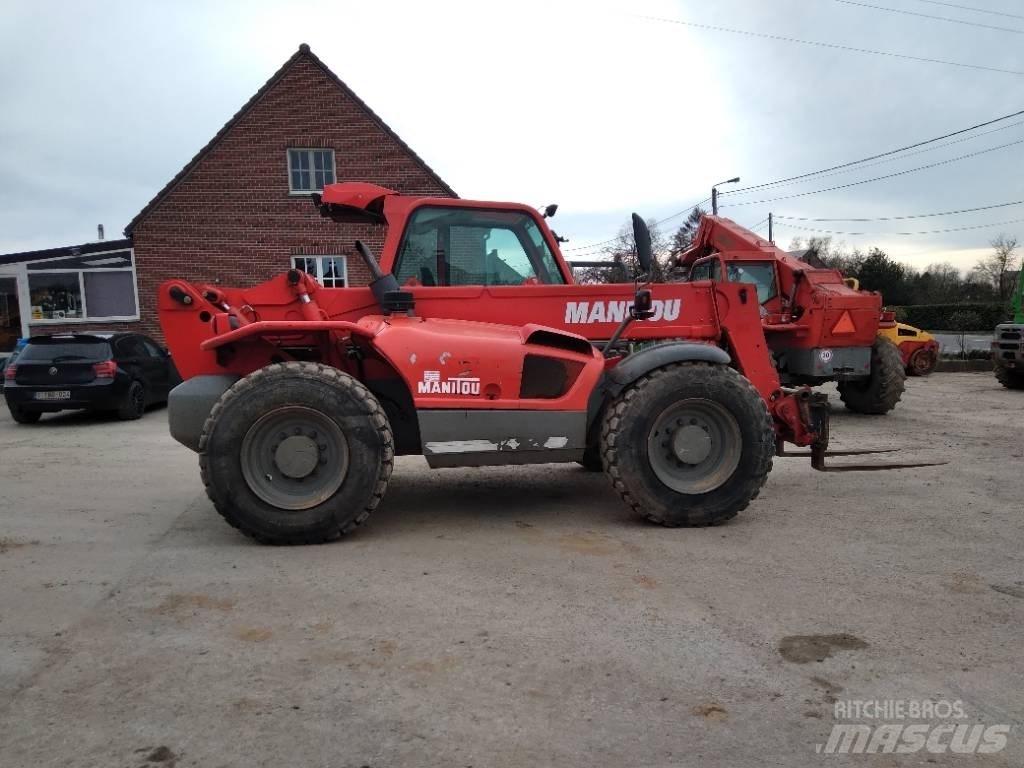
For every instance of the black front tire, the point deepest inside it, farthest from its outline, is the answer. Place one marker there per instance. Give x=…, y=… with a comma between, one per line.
x=339, y=404
x=134, y=405
x=631, y=426
x=21, y=416
x=879, y=392
x=1009, y=378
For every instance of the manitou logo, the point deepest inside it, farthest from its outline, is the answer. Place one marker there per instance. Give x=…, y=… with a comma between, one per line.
x=460, y=385
x=586, y=312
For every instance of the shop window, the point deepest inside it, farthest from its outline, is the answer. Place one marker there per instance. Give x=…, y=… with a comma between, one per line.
x=56, y=296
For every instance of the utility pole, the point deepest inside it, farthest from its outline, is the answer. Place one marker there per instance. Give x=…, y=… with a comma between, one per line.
x=771, y=234
x=714, y=194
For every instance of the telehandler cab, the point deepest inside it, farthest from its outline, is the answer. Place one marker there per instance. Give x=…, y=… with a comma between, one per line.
x=464, y=349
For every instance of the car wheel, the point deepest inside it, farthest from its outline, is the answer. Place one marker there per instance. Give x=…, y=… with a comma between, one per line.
x=134, y=404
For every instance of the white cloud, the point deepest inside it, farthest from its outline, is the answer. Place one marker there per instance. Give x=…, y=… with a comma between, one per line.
x=584, y=104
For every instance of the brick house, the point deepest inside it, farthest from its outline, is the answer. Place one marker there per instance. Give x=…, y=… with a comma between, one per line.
x=239, y=211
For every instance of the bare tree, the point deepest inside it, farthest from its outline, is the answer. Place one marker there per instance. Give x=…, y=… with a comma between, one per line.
x=993, y=268
x=621, y=257
x=962, y=322
x=939, y=283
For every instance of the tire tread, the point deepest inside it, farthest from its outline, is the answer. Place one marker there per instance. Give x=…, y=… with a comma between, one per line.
x=333, y=377
x=611, y=434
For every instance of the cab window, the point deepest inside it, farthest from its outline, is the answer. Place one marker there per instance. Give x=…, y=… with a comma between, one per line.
x=707, y=270
x=760, y=274
x=463, y=246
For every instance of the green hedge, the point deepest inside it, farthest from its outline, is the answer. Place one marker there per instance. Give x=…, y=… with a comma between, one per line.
x=936, y=317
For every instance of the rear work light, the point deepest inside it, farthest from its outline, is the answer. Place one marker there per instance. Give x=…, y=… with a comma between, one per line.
x=105, y=370
x=9, y=372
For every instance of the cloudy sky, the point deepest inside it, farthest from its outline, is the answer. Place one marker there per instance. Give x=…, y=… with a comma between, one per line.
x=603, y=107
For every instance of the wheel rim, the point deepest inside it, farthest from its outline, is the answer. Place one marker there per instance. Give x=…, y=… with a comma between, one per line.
x=921, y=362
x=294, y=458
x=694, y=446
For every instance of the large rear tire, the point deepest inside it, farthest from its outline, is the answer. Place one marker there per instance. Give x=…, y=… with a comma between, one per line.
x=1009, y=378
x=296, y=453
x=688, y=444
x=879, y=392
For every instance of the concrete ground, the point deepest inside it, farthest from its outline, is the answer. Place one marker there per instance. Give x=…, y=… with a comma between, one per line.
x=509, y=616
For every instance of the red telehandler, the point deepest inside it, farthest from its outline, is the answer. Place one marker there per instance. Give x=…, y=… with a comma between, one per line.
x=819, y=326
x=462, y=349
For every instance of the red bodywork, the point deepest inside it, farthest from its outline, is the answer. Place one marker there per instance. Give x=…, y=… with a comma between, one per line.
x=476, y=333
x=909, y=347
x=811, y=307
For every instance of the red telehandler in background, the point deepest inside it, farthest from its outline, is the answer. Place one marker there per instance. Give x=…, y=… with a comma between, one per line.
x=819, y=326
x=463, y=349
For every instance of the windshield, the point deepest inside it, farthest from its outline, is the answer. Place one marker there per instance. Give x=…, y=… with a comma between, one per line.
x=474, y=246
x=760, y=274
x=47, y=351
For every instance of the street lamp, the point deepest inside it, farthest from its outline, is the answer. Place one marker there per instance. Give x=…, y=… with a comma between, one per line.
x=714, y=194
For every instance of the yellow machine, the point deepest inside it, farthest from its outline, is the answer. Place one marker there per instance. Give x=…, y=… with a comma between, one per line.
x=919, y=350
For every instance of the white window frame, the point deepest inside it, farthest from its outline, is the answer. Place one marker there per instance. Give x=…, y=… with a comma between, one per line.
x=319, y=276
x=86, y=317
x=312, y=168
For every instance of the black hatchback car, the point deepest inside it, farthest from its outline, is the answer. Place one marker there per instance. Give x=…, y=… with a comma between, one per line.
x=118, y=372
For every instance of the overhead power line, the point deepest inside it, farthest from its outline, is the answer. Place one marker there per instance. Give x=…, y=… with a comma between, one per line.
x=903, y=218
x=833, y=46
x=874, y=157
x=876, y=178
x=972, y=8
x=597, y=246
x=930, y=16
x=882, y=234
x=883, y=161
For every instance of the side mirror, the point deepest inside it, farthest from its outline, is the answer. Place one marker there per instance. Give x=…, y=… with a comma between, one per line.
x=550, y=210
x=642, y=238
x=642, y=303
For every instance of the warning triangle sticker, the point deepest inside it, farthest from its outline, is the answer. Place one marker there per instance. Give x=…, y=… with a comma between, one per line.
x=844, y=324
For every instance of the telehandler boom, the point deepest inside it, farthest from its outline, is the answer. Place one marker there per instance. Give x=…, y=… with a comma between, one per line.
x=819, y=326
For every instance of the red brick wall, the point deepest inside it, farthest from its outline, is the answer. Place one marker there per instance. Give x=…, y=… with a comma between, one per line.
x=232, y=219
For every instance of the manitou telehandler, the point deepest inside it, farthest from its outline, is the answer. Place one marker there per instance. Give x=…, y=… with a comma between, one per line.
x=819, y=326
x=462, y=349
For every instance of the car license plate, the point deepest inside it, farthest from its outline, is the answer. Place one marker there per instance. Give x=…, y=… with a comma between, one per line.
x=61, y=394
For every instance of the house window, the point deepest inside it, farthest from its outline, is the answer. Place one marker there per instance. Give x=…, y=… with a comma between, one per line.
x=310, y=169
x=329, y=271
x=61, y=294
